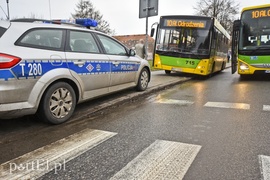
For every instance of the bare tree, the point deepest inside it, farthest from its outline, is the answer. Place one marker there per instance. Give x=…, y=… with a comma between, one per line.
x=224, y=11
x=85, y=9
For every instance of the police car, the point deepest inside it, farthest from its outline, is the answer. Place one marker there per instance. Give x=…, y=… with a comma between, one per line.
x=47, y=67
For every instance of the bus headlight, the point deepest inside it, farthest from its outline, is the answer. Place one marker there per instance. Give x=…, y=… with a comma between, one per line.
x=200, y=67
x=243, y=66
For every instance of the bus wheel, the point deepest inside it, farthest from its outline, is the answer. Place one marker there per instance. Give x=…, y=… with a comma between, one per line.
x=167, y=71
x=213, y=68
x=57, y=104
x=223, y=66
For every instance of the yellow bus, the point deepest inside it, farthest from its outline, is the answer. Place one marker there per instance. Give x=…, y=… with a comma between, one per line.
x=190, y=44
x=251, y=41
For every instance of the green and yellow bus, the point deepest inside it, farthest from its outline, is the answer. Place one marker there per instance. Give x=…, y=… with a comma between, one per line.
x=251, y=41
x=190, y=44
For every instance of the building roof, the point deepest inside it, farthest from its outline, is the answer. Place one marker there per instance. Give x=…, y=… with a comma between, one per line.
x=135, y=37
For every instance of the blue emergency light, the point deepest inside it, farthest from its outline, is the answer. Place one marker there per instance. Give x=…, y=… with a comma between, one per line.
x=86, y=22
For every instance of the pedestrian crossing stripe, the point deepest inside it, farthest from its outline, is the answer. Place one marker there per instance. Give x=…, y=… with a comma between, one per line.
x=265, y=167
x=228, y=105
x=243, y=106
x=266, y=107
x=161, y=160
x=174, y=101
x=52, y=157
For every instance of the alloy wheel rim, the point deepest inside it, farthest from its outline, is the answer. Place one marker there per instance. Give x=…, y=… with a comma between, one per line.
x=144, y=79
x=60, y=103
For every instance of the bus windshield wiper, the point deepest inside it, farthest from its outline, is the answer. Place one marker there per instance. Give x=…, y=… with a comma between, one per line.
x=258, y=48
x=192, y=53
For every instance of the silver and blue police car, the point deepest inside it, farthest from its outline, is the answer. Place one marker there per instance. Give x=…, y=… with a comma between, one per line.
x=47, y=67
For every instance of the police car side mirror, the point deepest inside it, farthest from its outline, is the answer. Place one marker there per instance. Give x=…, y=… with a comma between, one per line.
x=131, y=52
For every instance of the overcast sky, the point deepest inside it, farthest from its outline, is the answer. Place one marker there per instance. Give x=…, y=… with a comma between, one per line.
x=123, y=15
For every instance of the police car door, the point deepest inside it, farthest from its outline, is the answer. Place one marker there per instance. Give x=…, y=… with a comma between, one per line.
x=87, y=64
x=124, y=68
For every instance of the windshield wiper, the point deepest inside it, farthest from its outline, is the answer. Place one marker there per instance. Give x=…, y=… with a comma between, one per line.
x=258, y=48
x=192, y=53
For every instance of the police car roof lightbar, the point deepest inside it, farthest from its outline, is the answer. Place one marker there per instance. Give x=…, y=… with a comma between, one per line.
x=86, y=22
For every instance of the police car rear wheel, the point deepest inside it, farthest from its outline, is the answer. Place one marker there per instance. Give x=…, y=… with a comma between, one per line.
x=58, y=103
x=143, y=80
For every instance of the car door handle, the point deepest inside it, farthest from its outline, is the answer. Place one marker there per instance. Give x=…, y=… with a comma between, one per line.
x=79, y=62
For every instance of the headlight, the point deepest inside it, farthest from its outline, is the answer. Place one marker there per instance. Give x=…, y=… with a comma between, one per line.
x=243, y=66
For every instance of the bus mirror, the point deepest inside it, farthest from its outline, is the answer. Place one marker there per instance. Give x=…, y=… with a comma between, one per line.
x=215, y=35
x=236, y=25
x=152, y=32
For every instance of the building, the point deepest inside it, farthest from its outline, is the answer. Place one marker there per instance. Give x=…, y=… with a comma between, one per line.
x=131, y=40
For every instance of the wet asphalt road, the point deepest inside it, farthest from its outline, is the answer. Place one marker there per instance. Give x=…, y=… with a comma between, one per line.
x=21, y=135
x=231, y=138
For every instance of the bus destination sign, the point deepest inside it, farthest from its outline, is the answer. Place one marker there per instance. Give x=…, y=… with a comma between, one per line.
x=184, y=23
x=260, y=13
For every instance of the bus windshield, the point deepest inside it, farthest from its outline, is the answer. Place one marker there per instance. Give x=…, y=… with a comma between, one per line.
x=255, y=34
x=184, y=36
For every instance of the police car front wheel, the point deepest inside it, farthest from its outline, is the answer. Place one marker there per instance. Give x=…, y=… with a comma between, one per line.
x=58, y=103
x=143, y=80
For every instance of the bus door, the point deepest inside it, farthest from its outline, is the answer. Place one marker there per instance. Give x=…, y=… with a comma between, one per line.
x=153, y=31
x=235, y=41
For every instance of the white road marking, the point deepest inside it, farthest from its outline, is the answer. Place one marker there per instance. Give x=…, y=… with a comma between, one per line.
x=265, y=166
x=228, y=105
x=211, y=104
x=53, y=156
x=161, y=160
x=266, y=107
x=174, y=101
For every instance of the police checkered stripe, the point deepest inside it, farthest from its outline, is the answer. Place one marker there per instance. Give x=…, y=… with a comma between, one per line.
x=16, y=70
x=121, y=72
x=88, y=61
x=6, y=75
x=93, y=73
x=31, y=77
x=124, y=62
x=104, y=62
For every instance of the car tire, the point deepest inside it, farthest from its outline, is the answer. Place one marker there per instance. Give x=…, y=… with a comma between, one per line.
x=143, y=80
x=57, y=104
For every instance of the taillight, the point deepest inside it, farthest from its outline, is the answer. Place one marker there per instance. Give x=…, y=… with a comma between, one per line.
x=8, y=61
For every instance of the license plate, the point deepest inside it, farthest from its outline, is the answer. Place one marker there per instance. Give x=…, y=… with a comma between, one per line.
x=267, y=71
